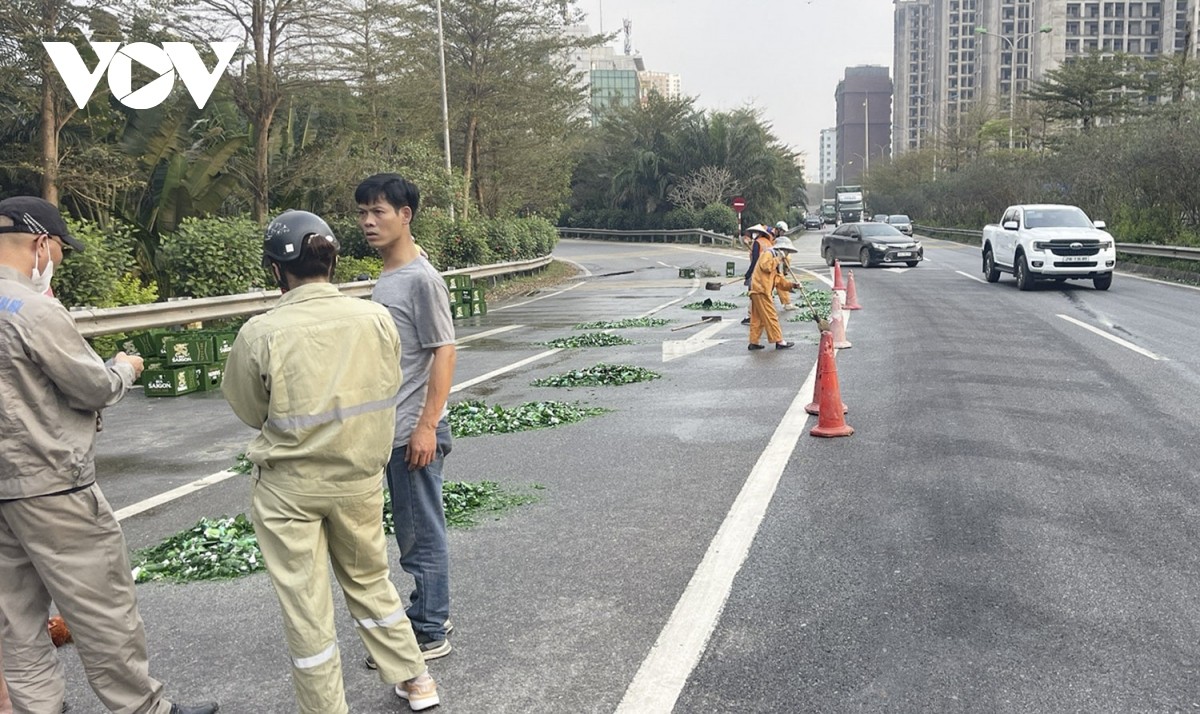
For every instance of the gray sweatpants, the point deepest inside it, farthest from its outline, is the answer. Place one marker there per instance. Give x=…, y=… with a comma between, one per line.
x=69, y=549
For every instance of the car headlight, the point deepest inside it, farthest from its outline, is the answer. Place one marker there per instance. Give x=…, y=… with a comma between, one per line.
x=916, y=245
x=1040, y=245
x=1106, y=245
x=880, y=246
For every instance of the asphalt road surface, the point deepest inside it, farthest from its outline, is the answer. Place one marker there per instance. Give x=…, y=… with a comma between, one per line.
x=1012, y=527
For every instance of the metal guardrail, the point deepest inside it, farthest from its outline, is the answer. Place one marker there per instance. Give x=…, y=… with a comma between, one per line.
x=104, y=321
x=1177, y=252
x=686, y=235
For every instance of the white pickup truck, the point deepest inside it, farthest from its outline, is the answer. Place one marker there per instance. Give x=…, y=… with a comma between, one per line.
x=1048, y=242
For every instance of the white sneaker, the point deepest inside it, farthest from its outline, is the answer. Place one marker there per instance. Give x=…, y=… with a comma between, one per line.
x=420, y=692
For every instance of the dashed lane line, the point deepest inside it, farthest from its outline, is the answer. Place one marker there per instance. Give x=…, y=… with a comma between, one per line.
x=1112, y=338
x=213, y=479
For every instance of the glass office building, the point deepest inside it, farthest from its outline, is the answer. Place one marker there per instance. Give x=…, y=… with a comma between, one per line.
x=613, y=87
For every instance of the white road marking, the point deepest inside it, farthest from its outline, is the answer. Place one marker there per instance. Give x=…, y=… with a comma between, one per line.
x=976, y=278
x=656, y=686
x=540, y=297
x=1113, y=338
x=497, y=372
x=210, y=480
x=487, y=333
x=180, y=492
x=1135, y=276
x=674, y=349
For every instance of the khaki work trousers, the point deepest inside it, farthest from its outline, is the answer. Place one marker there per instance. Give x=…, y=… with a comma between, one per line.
x=764, y=317
x=69, y=549
x=300, y=535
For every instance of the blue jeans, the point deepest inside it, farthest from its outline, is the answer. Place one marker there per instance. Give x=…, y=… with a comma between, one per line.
x=420, y=520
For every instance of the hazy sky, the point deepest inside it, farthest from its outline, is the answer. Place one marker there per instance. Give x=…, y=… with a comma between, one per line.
x=782, y=56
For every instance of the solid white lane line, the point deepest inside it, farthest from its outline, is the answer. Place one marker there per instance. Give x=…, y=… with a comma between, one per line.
x=487, y=333
x=1112, y=338
x=174, y=493
x=976, y=278
x=658, y=682
x=497, y=372
x=1135, y=276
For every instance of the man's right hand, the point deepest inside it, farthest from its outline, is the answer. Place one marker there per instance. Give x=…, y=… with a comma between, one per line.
x=133, y=361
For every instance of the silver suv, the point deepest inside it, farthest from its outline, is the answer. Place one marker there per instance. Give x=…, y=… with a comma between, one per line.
x=901, y=223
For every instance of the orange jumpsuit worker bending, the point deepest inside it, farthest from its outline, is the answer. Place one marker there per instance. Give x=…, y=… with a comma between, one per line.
x=766, y=279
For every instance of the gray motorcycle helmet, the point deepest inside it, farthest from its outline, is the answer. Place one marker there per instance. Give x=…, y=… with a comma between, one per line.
x=285, y=235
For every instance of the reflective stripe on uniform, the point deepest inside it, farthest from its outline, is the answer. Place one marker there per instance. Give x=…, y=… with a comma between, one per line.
x=392, y=619
x=320, y=658
x=336, y=414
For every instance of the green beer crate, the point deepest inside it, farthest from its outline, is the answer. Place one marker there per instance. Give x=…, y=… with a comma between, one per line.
x=465, y=296
x=730, y=269
x=170, y=382
x=208, y=376
x=687, y=272
x=463, y=310
x=150, y=365
x=223, y=344
x=189, y=348
x=149, y=344
x=458, y=282
x=476, y=295
x=480, y=307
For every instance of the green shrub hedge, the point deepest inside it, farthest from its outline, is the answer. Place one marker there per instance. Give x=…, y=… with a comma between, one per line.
x=223, y=256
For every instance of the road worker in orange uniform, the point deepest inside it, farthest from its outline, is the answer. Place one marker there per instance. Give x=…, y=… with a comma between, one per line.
x=785, y=299
x=766, y=279
x=759, y=239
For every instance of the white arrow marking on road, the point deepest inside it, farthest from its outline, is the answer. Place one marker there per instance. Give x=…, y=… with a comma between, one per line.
x=674, y=349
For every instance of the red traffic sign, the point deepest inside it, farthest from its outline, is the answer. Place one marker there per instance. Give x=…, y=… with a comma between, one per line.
x=738, y=203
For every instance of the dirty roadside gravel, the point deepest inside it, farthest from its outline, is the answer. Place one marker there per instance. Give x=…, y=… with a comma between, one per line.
x=556, y=273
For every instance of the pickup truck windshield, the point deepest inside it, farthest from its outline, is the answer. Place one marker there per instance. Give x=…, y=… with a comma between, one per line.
x=1056, y=218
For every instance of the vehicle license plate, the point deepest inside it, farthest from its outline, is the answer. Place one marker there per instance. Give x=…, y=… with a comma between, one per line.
x=1075, y=258
x=903, y=254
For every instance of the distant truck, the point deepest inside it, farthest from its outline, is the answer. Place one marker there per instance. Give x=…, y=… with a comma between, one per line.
x=849, y=204
x=1048, y=242
x=829, y=211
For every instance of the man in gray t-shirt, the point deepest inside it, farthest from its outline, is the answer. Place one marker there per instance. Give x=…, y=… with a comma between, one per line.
x=416, y=296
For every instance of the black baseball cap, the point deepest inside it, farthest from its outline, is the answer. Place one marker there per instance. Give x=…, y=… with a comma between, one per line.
x=38, y=216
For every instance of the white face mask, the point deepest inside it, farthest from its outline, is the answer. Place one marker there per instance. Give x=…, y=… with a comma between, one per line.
x=41, y=278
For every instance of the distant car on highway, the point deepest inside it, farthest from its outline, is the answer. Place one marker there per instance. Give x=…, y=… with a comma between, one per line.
x=879, y=218
x=813, y=220
x=901, y=223
x=871, y=244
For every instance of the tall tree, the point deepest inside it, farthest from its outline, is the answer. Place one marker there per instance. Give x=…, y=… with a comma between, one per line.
x=1093, y=87
x=512, y=92
x=284, y=50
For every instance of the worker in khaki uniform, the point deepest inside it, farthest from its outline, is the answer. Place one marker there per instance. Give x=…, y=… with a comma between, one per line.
x=59, y=539
x=318, y=376
x=766, y=279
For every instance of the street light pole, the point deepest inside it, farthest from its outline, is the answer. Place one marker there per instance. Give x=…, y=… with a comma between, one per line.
x=867, y=133
x=445, y=102
x=1012, y=80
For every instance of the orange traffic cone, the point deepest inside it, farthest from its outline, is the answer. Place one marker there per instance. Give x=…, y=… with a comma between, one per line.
x=837, y=323
x=831, y=420
x=837, y=276
x=814, y=407
x=851, y=295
